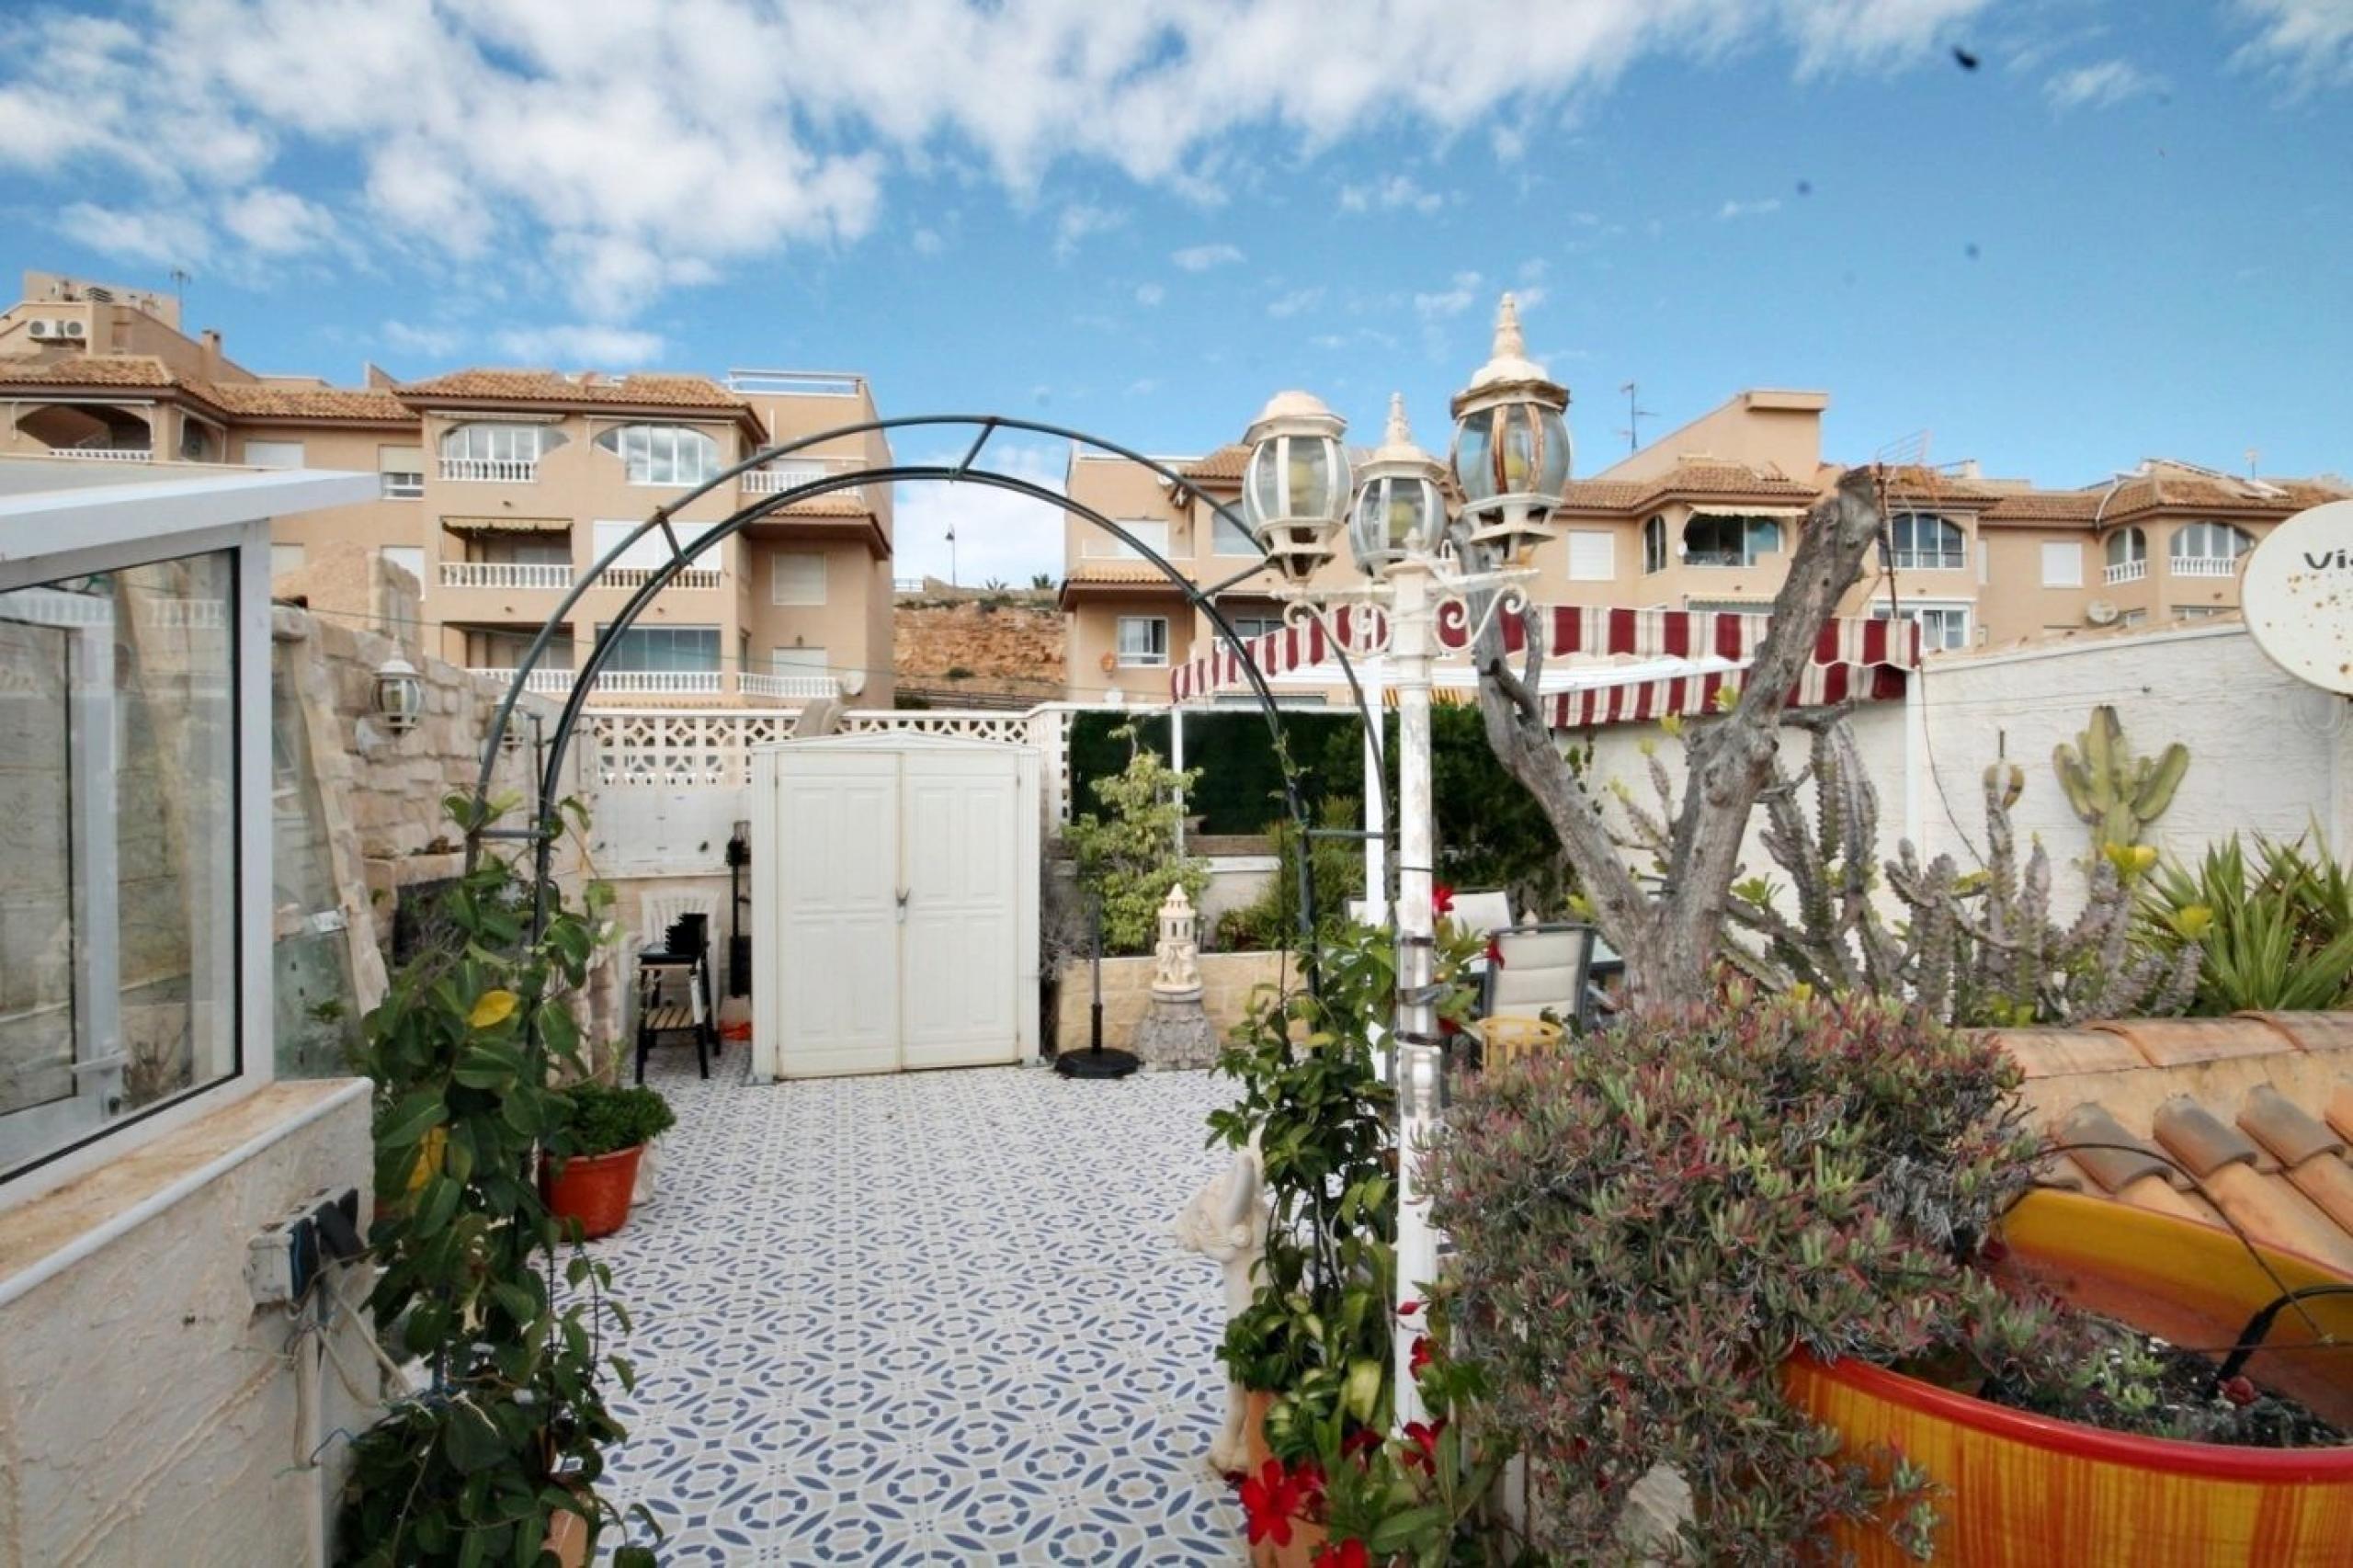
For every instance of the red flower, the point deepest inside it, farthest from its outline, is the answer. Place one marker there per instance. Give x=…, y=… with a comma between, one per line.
x=1349, y=1553
x=1441, y=900
x=1496, y=952
x=1421, y=1355
x=1994, y=1252
x=1359, y=1443
x=1268, y=1501
x=1422, y=1454
x=1407, y=1309
x=2240, y=1391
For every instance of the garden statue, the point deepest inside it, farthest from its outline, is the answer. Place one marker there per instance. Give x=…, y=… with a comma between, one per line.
x=1226, y=1222
x=1176, y=1032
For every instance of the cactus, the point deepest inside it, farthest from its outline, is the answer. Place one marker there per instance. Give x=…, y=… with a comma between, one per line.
x=2117, y=793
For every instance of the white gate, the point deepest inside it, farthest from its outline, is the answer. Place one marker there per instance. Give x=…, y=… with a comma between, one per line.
x=896, y=917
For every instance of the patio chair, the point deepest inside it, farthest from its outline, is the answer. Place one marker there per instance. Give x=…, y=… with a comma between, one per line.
x=684, y=956
x=1545, y=967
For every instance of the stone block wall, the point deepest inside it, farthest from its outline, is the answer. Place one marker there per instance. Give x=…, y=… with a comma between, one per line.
x=1228, y=982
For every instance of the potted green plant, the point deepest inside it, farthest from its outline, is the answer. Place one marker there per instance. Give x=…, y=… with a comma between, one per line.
x=591, y=1168
x=1778, y=1246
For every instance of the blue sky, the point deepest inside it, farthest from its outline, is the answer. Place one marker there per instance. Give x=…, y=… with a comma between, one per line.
x=2121, y=234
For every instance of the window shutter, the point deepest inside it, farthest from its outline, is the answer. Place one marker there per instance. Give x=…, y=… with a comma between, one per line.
x=274, y=454
x=2062, y=565
x=1592, y=557
x=796, y=577
x=399, y=459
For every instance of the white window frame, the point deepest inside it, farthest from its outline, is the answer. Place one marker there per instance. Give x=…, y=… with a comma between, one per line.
x=1749, y=524
x=782, y=591
x=2135, y=542
x=671, y=456
x=1944, y=610
x=125, y=544
x=398, y=485
x=1231, y=537
x=1146, y=658
x=1948, y=552
x=2205, y=531
x=2069, y=553
x=1654, y=551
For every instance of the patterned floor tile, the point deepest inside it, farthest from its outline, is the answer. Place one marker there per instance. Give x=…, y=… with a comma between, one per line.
x=934, y=1318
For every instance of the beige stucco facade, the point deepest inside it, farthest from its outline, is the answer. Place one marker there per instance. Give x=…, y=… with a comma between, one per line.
x=499, y=489
x=1705, y=518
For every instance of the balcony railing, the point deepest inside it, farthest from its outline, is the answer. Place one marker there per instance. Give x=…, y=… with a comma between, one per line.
x=2205, y=566
x=804, y=687
x=506, y=574
x=780, y=477
x=107, y=454
x=663, y=682
x=547, y=683
x=2125, y=571
x=503, y=471
x=638, y=576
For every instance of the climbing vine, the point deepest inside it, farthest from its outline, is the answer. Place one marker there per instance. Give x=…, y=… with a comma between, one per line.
x=468, y=1053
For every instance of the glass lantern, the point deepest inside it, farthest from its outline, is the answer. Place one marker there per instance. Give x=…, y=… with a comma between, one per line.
x=1511, y=446
x=1295, y=486
x=400, y=695
x=1399, y=510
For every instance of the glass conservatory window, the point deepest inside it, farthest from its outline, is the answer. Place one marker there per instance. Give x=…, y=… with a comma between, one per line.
x=118, y=865
x=663, y=454
x=1711, y=541
x=2210, y=541
x=1924, y=543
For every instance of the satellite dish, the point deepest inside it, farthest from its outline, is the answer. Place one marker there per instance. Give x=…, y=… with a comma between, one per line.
x=2100, y=612
x=2297, y=595
x=853, y=681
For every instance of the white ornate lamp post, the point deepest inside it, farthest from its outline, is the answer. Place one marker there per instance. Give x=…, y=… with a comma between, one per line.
x=1511, y=460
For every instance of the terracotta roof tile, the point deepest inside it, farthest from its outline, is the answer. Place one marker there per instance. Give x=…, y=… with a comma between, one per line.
x=1713, y=480
x=143, y=370
x=1910, y=481
x=645, y=389
x=837, y=505
x=2257, y=1108
x=259, y=400
x=2044, y=507
x=1225, y=463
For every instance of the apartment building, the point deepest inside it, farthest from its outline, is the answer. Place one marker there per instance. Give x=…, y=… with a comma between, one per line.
x=1704, y=518
x=499, y=489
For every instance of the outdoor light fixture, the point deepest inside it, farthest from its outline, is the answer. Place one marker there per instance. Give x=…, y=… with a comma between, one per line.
x=1295, y=488
x=400, y=695
x=1511, y=446
x=1399, y=512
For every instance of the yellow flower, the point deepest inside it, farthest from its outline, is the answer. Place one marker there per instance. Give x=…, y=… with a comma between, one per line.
x=2193, y=921
x=492, y=1010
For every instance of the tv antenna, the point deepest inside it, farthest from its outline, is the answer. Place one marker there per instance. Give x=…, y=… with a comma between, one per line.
x=1636, y=415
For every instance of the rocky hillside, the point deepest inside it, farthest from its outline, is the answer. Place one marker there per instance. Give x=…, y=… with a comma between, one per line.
x=992, y=649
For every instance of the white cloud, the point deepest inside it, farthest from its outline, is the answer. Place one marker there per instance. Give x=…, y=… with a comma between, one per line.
x=618, y=151
x=1200, y=258
x=999, y=534
x=927, y=242
x=157, y=238
x=2103, y=85
x=1453, y=301
x=2309, y=41
x=585, y=343
x=1731, y=210
x=277, y=222
x=1143, y=387
x=1285, y=305
x=1079, y=222
x=1149, y=293
x=434, y=342
x=1389, y=194
x=1530, y=295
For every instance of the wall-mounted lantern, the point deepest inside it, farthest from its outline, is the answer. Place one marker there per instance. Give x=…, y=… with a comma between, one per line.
x=400, y=695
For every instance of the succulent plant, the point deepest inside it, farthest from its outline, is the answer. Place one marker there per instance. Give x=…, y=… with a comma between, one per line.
x=2117, y=793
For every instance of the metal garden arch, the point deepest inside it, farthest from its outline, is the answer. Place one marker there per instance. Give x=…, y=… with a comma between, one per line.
x=544, y=827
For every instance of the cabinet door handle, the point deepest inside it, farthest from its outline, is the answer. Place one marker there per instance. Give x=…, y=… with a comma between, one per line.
x=904, y=895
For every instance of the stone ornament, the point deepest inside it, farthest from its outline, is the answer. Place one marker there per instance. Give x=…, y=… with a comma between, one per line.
x=1226, y=1222
x=1176, y=974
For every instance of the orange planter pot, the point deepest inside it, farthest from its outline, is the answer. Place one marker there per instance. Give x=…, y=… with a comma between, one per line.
x=591, y=1189
x=2024, y=1490
x=1306, y=1540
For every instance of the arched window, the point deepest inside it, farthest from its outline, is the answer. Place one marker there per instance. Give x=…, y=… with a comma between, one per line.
x=1925, y=543
x=1655, y=545
x=663, y=454
x=1712, y=541
x=2128, y=556
x=487, y=449
x=2207, y=549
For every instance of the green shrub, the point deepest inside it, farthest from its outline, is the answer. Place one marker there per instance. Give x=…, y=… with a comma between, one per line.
x=2277, y=926
x=1337, y=865
x=599, y=1118
x=1126, y=856
x=1646, y=1228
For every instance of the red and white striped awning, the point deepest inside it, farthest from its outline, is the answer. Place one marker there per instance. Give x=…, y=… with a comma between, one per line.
x=1854, y=659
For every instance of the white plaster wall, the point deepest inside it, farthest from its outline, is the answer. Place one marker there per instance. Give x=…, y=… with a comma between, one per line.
x=2267, y=754
x=148, y=1409
x=635, y=831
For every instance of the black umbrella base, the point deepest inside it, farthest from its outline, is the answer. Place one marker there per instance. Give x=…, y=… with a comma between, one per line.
x=1096, y=1063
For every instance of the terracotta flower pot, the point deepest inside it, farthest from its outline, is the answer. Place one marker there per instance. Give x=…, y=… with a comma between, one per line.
x=1306, y=1539
x=2027, y=1490
x=591, y=1189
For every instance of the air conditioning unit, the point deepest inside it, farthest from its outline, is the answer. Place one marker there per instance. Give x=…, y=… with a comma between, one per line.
x=2100, y=612
x=42, y=330
x=74, y=330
